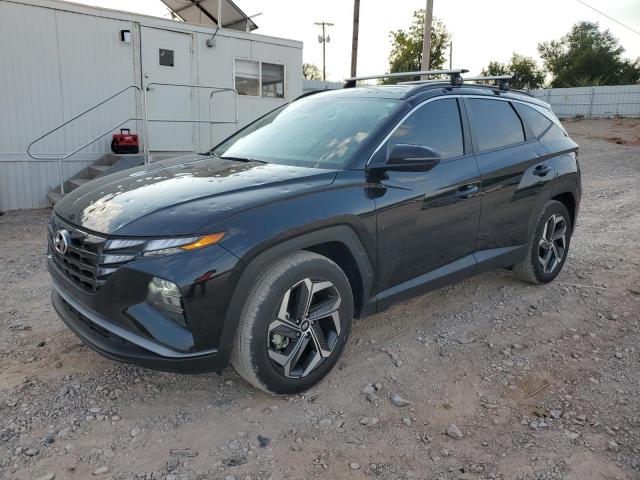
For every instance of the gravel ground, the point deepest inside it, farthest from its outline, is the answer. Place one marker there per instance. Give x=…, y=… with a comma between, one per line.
x=487, y=379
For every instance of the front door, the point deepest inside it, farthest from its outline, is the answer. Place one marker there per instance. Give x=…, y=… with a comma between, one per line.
x=427, y=221
x=167, y=58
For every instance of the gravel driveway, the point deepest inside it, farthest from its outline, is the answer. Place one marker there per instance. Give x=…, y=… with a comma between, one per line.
x=491, y=378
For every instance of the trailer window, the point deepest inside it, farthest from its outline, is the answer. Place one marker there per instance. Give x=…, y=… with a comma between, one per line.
x=247, y=77
x=272, y=80
x=165, y=57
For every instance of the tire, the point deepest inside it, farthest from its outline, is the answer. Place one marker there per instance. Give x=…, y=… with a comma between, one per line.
x=548, y=249
x=274, y=324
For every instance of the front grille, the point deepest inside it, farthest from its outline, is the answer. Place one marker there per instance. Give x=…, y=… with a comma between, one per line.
x=85, y=263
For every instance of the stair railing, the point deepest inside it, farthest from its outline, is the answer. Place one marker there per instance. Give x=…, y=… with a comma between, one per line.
x=211, y=122
x=63, y=157
x=145, y=122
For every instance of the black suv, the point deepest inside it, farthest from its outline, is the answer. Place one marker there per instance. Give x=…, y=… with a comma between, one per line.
x=334, y=206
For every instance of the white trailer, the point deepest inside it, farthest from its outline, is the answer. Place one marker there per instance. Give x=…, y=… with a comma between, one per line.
x=181, y=87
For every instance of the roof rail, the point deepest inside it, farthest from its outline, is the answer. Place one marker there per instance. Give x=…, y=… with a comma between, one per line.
x=502, y=81
x=454, y=76
x=422, y=82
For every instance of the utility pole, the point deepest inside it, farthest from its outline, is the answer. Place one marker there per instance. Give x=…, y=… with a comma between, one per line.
x=426, y=42
x=450, y=55
x=354, y=38
x=324, y=39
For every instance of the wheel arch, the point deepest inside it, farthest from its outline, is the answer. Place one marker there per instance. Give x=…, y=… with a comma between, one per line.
x=339, y=253
x=562, y=190
x=569, y=201
x=338, y=243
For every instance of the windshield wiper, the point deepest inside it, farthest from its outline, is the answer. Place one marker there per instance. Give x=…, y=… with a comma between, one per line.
x=242, y=159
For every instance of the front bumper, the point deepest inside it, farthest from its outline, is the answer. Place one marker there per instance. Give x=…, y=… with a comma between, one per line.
x=116, y=343
x=117, y=322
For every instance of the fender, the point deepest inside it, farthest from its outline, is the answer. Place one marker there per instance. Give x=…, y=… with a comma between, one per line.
x=252, y=268
x=567, y=181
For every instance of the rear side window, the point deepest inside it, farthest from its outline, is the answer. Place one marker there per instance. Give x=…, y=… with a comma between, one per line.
x=554, y=134
x=435, y=125
x=536, y=121
x=494, y=123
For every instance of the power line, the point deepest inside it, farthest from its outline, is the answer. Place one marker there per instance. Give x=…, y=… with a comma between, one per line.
x=609, y=17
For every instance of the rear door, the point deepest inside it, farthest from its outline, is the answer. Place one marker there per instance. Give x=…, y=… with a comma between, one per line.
x=513, y=168
x=427, y=221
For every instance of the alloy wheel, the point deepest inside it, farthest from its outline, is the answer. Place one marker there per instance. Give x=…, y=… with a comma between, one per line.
x=553, y=243
x=306, y=328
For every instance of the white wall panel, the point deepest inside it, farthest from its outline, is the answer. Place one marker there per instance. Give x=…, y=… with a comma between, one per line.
x=30, y=93
x=25, y=184
x=94, y=64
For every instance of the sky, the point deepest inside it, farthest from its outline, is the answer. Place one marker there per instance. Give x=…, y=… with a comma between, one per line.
x=481, y=31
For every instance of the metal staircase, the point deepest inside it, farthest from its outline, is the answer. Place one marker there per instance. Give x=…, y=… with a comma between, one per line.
x=110, y=163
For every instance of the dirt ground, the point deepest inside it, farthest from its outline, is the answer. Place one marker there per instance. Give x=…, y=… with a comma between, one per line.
x=623, y=131
x=541, y=382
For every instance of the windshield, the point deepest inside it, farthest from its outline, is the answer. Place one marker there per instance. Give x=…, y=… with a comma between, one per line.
x=322, y=132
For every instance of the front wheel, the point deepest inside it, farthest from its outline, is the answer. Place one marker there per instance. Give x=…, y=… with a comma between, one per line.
x=548, y=247
x=294, y=324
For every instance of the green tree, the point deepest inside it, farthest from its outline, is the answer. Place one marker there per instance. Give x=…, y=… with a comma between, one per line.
x=311, y=72
x=496, y=68
x=588, y=56
x=406, y=47
x=527, y=74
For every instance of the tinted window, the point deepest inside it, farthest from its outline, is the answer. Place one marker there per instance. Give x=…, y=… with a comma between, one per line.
x=435, y=125
x=321, y=131
x=552, y=135
x=536, y=121
x=494, y=123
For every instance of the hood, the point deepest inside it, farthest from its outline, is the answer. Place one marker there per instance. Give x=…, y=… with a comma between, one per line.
x=183, y=196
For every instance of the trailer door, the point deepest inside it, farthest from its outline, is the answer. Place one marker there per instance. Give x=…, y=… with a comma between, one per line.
x=167, y=58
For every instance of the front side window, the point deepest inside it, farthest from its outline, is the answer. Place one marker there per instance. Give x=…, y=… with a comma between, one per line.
x=321, y=132
x=435, y=125
x=494, y=123
x=247, y=81
x=272, y=80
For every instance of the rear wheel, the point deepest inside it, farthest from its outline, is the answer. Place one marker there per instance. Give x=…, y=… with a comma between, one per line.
x=548, y=247
x=294, y=324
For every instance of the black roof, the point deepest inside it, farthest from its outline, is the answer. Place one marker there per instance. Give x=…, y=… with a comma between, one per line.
x=419, y=92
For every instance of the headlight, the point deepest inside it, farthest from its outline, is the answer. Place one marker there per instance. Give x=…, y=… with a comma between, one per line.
x=165, y=297
x=168, y=246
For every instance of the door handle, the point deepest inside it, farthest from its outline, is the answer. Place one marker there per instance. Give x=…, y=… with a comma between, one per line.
x=541, y=170
x=467, y=191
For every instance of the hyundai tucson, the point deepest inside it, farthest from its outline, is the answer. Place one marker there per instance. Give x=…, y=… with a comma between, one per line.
x=261, y=252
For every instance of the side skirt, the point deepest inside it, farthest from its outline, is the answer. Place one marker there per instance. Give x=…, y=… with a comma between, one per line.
x=495, y=258
x=451, y=273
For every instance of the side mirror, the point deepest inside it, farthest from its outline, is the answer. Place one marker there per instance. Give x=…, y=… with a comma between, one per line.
x=412, y=157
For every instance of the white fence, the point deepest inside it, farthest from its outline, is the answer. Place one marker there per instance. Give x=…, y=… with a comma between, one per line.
x=618, y=101
x=315, y=85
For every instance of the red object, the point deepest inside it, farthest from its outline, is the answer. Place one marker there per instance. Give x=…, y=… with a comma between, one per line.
x=125, y=142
